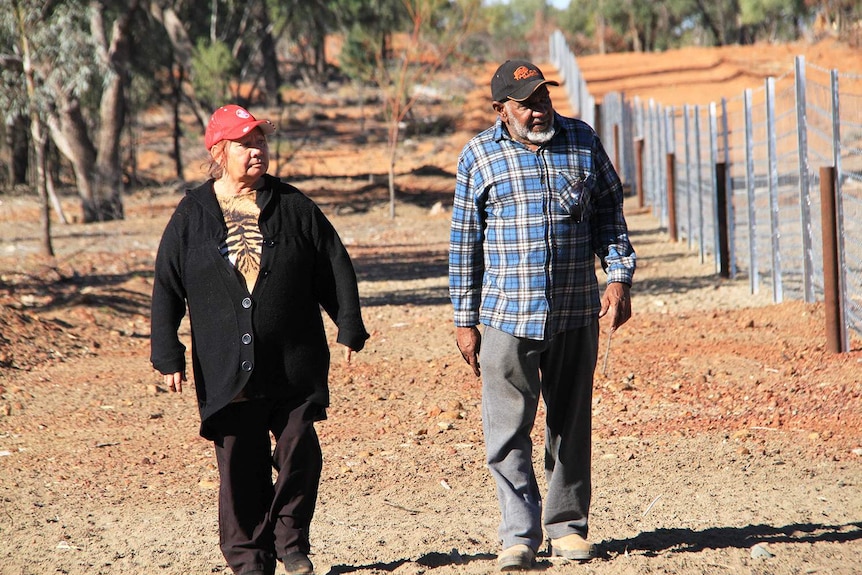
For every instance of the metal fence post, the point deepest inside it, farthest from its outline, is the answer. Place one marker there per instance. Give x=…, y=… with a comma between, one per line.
x=688, y=177
x=839, y=206
x=639, y=171
x=772, y=145
x=649, y=149
x=731, y=215
x=754, y=269
x=713, y=161
x=699, y=166
x=804, y=171
x=660, y=150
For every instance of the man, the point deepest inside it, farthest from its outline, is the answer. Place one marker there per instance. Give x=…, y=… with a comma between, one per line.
x=536, y=200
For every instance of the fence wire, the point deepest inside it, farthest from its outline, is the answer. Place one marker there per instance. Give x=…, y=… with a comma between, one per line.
x=769, y=145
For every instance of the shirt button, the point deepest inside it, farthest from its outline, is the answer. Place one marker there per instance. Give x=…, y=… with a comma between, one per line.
x=246, y=366
x=246, y=302
x=246, y=338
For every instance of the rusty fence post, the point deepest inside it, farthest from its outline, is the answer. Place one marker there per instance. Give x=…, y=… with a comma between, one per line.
x=597, y=119
x=721, y=219
x=831, y=282
x=639, y=171
x=671, y=197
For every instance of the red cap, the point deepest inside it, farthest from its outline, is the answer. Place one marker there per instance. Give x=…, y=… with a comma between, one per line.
x=232, y=122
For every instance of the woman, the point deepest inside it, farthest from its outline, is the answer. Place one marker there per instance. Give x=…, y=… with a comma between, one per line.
x=254, y=260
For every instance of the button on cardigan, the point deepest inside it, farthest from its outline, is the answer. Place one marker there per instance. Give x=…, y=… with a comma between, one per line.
x=269, y=343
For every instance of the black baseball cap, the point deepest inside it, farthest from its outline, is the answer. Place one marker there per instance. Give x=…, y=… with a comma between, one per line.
x=517, y=80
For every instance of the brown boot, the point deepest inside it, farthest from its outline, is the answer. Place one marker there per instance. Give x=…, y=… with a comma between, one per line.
x=516, y=558
x=573, y=547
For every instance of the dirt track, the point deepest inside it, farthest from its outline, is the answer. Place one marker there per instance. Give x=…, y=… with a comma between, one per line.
x=721, y=422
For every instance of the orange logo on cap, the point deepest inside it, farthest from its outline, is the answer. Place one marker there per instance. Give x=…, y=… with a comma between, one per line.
x=522, y=73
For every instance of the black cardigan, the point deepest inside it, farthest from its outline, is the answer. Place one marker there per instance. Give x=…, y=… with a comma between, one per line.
x=270, y=342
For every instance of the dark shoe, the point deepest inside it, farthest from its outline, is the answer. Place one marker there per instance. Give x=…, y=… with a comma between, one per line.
x=297, y=563
x=573, y=547
x=516, y=558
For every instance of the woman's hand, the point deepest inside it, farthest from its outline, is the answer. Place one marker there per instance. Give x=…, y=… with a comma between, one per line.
x=174, y=381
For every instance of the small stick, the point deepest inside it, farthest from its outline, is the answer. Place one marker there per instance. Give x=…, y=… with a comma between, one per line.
x=650, y=505
x=607, y=352
x=402, y=508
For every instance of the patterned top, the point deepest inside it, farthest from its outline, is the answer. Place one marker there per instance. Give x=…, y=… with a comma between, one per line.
x=243, y=243
x=527, y=227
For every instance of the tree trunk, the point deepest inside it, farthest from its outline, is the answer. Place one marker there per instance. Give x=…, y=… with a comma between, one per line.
x=109, y=173
x=69, y=132
x=176, y=85
x=41, y=144
x=182, y=48
x=112, y=111
x=39, y=139
x=52, y=192
x=710, y=23
x=393, y=153
x=97, y=166
x=18, y=142
x=271, y=77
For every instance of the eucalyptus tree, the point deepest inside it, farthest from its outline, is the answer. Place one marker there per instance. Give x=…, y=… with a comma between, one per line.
x=13, y=101
x=78, y=55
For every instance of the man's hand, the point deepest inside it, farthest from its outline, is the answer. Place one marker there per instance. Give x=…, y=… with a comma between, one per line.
x=469, y=341
x=617, y=303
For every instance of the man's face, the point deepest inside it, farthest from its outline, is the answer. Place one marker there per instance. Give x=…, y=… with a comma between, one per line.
x=530, y=121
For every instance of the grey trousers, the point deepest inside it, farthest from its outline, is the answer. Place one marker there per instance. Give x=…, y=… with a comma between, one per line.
x=514, y=372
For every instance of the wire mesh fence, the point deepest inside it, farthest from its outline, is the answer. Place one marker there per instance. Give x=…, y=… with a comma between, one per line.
x=740, y=179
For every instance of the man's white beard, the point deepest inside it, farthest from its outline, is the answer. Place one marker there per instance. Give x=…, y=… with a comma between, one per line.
x=542, y=137
x=538, y=138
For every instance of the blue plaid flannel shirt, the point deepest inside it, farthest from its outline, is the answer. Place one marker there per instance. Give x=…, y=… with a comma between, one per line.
x=527, y=227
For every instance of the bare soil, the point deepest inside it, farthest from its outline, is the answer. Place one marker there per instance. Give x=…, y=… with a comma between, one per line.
x=726, y=438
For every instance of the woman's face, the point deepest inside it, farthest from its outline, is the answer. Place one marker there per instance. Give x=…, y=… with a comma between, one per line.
x=247, y=159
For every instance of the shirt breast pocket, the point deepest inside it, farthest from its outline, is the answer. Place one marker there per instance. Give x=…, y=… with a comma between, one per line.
x=575, y=192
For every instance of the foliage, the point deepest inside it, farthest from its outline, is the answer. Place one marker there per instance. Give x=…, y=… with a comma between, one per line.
x=508, y=25
x=212, y=67
x=777, y=18
x=66, y=55
x=219, y=44
x=645, y=25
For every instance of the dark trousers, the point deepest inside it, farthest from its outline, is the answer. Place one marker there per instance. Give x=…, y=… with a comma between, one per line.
x=261, y=520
